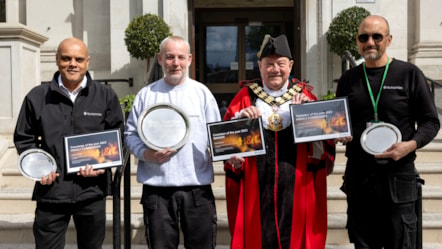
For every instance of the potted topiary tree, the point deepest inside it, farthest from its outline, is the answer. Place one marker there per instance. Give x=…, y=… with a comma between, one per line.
x=341, y=36
x=143, y=36
x=343, y=30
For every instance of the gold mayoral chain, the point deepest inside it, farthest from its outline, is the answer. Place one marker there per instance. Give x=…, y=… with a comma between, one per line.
x=275, y=120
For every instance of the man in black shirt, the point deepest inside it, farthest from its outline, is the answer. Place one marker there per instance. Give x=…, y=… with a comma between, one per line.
x=381, y=187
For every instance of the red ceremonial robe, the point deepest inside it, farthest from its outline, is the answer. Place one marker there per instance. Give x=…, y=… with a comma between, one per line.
x=278, y=200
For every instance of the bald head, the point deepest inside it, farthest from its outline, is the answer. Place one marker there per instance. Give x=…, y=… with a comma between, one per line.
x=379, y=21
x=69, y=42
x=72, y=60
x=373, y=39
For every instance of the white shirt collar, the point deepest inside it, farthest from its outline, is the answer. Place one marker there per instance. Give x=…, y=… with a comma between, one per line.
x=72, y=95
x=276, y=93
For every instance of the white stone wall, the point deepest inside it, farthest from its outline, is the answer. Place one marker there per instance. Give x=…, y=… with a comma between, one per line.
x=426, y=50
x=56, y=20
x=323, y=67
x=101, y=25
x=415, y=26
x=19, y=70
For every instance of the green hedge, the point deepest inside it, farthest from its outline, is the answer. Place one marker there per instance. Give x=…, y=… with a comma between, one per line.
x=144, y=34
x=343, y=30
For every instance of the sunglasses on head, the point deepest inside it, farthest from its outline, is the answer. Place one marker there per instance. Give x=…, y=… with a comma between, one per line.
x=362, y=38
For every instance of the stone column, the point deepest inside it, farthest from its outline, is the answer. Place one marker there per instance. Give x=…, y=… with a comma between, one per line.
x=426, y=52
x=122, y=65
x=19, y=70
x=12, y=11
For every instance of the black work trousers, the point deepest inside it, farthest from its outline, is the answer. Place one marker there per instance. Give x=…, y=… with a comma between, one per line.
x=381, y=206
x=52, y=220
x=166, y=209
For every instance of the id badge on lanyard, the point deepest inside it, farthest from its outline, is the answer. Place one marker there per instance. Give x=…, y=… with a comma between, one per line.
x=372, y=122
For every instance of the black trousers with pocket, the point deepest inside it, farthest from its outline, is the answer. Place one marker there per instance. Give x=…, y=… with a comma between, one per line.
x=167, y=209
x=52, y=220
x=381, y=202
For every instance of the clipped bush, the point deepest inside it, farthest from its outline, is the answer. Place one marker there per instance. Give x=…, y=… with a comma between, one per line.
x=328, y=96
x=343, y=30
x=126, y=102
x=144, y=34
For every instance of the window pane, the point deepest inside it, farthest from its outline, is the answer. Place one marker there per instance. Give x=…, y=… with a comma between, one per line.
x=221, y=54
x=254, y=37
x=2, y=10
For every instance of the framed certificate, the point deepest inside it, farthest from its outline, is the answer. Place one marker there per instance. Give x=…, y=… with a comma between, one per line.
x=241, y=137
x=320, y=120
x=99, y=150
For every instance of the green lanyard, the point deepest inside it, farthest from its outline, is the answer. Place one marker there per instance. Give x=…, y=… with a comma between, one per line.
x=373, y=102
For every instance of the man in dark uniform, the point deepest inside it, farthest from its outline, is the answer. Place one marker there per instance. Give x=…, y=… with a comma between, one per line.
x=381, y=189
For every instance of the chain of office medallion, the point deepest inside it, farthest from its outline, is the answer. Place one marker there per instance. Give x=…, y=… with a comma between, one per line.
x=259, y=91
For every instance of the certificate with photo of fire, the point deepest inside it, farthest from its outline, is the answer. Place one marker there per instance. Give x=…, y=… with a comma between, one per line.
x=241, y=137
x=320, y=120
x=99, y=150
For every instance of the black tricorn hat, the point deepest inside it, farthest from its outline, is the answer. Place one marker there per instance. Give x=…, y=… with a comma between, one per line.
x=278, y=45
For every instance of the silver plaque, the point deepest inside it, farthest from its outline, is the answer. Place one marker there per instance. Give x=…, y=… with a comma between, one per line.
x=36, y=163
x=163, y=126
x=378, y=137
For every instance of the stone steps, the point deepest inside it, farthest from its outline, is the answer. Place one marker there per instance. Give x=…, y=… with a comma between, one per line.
x=17, y=214
x=16, y=211
x=20, y=199
x=431, y=172
x=18, y=227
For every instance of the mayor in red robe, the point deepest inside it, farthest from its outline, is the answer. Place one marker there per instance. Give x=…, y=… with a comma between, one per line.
x=277, y=200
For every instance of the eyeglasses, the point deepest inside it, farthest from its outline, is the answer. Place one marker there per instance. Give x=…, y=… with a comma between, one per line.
x=363, y=38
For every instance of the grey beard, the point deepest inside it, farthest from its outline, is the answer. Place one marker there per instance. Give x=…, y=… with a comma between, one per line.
x=372, y=57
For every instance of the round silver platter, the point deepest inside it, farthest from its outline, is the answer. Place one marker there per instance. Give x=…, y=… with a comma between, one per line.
x=36, y=163
x=163, y=126
x=379, y=137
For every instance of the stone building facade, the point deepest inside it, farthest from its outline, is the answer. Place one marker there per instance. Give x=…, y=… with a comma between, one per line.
x=39, y=26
